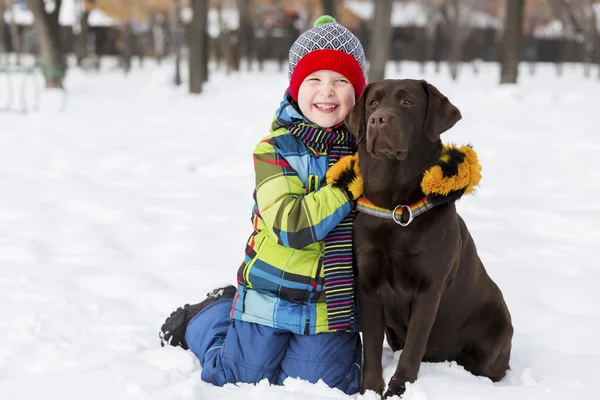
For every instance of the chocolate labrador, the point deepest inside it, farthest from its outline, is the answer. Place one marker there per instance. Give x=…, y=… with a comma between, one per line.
x=421, y=284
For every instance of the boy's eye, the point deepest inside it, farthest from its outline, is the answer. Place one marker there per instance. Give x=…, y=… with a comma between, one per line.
x=343, y=81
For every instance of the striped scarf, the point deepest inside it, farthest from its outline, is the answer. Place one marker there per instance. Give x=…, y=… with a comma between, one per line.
x=337, y=259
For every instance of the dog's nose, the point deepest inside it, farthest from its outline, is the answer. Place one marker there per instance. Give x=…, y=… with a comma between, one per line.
x=378, y=120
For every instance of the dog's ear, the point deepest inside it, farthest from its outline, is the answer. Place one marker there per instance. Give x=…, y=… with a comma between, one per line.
x=441, y=114
x=355, y=120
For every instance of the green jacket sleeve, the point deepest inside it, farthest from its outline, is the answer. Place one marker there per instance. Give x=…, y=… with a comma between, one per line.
x=297, y=218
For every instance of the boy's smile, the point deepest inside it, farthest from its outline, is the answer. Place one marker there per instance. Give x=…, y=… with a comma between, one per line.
x=326, y=107
x=325, y=98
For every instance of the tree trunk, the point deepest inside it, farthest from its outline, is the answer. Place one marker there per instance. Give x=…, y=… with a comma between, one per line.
x=139, y=41
x=15, y=37
x=158, y=34
x=511, y=43
x=205, y=49
x=177, y=35
x=595, y=37
x=2, y=48
x=455, y=55
x=47, y=29
x=198, y=44
x=125, y=40
x=246, y=32
x=379, y=43
x=223, y=41
x=329, y=7
x=456, y=27
x=81, y=42
x=597, y=46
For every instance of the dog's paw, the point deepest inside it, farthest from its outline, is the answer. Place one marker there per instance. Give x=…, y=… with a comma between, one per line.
x=396, y=387
x=397, y=391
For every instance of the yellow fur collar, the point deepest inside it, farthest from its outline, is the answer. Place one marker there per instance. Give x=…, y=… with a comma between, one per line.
x=458, y=169
x=456, y=173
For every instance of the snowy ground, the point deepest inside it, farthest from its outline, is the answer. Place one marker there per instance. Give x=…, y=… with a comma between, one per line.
x=137, y=199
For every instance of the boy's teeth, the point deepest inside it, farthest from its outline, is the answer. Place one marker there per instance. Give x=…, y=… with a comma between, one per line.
x=325, y=107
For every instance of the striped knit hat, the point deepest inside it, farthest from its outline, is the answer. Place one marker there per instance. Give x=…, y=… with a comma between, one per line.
x=328, y=45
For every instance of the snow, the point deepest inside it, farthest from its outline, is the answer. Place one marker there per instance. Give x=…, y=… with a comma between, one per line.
x=137, y=199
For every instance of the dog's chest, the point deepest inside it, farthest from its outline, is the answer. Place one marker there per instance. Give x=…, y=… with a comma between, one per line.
x=395, y=264
x=405, y=272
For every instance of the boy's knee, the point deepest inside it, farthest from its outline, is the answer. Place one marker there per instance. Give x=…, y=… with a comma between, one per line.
x=333, y=357
x=223, y=370
x=343, y=377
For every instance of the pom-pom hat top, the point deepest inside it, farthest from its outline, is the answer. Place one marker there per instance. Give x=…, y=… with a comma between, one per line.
x=327, y=46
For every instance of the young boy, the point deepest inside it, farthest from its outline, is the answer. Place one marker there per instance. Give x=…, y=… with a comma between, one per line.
x=293, y=312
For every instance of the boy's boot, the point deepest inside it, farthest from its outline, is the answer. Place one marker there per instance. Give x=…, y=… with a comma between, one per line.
x=173, y=330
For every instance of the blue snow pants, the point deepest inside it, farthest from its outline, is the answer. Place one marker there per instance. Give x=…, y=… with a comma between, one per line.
x=233, y=351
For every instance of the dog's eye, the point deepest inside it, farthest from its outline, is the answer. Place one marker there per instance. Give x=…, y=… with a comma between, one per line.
x=407, y=102
x=373, y=103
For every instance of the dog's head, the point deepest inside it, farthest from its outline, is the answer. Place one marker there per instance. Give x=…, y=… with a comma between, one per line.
x=396, y=117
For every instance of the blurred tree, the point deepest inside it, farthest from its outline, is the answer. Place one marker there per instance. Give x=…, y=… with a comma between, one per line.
x=537, y=13
x=177, y=32
x=245, y=31
x=379, y=41
x=329, y=7
x=198, y=46
x=81, y=38
x=561, y=13
x=596, y=12
x=2, y=48
x=457, y=19
x=15, y=36
x=511, y=43
x=580, y=21
x=159, y=35
x=47, y=30
x=228, y=56
x=306, y=12
x=131, y=14
x=125, y=45
x=431, y=46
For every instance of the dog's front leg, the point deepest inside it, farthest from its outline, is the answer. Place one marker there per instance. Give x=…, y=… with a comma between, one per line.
x=370, y=310
x=423, y=314
x=373, y=326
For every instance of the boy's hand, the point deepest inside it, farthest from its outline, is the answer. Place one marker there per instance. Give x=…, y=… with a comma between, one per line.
x=345, y=174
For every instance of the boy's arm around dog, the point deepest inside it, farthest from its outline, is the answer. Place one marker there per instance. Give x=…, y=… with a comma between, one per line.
x=294, y=215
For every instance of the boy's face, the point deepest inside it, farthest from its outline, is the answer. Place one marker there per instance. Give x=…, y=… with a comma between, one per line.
x=325, y=98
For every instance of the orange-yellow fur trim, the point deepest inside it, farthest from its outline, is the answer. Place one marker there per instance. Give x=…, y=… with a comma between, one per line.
x=434, y=182
x=337, y=169
x=469, y=173
x=345, y=164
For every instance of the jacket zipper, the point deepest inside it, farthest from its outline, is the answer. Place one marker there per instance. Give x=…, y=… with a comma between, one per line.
x=244, y=301
x=316, y=282
x=312, y=293
x=312, y=186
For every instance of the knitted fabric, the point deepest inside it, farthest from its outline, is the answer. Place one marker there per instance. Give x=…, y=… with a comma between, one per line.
x=337, y=259
x=328, y=46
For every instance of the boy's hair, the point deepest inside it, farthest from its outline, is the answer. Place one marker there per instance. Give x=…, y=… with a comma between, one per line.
x=327, y=46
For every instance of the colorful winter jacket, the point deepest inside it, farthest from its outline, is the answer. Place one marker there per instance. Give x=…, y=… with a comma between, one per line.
x=280, y=281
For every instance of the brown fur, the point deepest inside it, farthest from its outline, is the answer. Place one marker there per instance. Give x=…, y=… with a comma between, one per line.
x=423, y=286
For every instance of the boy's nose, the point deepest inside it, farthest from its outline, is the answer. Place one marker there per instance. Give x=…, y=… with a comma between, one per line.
x=328, y=90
